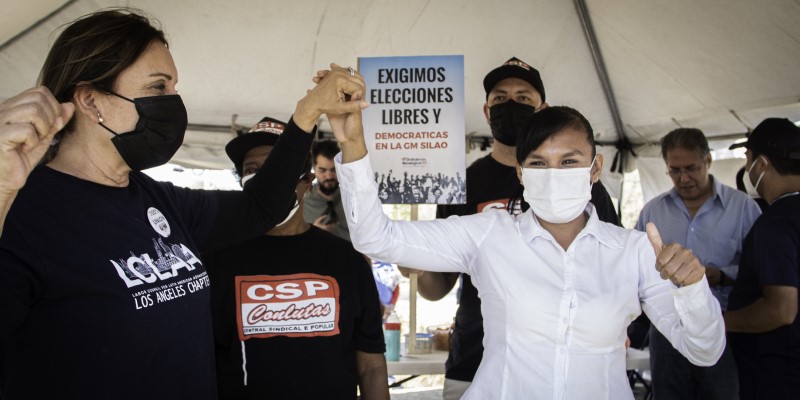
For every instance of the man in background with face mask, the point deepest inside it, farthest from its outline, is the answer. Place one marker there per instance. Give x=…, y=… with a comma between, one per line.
x=763, y=308
x=514, y=92
x=323, y=203
x=711, y=219
x=296, y=311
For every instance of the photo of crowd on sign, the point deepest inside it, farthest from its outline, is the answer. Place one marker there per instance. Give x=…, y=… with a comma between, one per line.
x=421, y=189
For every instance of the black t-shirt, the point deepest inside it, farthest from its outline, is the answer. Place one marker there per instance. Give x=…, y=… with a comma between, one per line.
x=102, y=294
x=309, y=351
x=91, y=310
x=491, y=185
x=769, y=363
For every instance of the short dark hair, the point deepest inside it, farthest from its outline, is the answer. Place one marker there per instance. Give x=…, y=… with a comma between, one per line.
x=783, y=166
x=95, y=49
x=325, y=148
x=691, y=139
x=548, y=122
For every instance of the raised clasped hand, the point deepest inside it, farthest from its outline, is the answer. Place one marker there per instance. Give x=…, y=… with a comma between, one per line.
x=673, y=261
x=345, y=121
x=329, y=96
x=28, y=123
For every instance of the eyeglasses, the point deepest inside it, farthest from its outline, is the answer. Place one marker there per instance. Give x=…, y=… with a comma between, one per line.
x=675, y=173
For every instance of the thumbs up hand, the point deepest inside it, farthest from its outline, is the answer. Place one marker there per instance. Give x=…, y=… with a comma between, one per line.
x=673, y=261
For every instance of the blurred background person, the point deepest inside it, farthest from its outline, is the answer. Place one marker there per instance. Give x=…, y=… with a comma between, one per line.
x=323, y=203
x=763, y=309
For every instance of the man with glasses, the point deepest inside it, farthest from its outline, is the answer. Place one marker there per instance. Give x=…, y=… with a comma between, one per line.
x=711, y=219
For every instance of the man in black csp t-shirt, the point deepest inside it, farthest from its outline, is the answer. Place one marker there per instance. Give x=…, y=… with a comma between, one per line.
x=762, y=311
x=514, y=91
x=296, y=312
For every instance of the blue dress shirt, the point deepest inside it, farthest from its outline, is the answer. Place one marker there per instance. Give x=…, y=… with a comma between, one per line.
x=714, y=235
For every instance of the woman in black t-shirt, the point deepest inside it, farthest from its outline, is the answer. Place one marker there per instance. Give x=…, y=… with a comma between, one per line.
x=102, y=294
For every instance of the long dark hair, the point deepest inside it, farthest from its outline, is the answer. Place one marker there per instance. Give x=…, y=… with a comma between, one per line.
x=95, y=49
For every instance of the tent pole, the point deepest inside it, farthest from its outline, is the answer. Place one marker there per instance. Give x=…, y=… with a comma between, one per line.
x=599, y=64
x=602, y=73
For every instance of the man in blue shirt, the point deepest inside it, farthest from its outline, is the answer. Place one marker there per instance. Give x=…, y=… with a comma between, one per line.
x=763, y=312
x=711, y=219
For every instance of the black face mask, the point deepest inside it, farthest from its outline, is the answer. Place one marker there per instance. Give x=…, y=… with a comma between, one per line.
x=158, y=134
x=507, y=121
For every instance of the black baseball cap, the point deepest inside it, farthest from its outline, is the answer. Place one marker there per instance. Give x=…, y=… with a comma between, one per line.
x=776, y=137
x=264, y=133
x=514, y=68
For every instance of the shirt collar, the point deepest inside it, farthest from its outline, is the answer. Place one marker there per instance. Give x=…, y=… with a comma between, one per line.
x=717, y=188
x=529, y=228
x=716, y=192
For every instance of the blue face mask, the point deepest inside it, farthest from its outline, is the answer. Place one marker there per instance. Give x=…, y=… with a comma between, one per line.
x=158, y=134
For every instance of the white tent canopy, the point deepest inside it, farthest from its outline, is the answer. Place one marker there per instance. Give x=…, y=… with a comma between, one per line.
x=718, y=65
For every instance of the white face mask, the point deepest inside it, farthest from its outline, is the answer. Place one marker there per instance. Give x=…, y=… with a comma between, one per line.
x=247, y=178
x=557, y=195
x=291, y=213
x=748, y=184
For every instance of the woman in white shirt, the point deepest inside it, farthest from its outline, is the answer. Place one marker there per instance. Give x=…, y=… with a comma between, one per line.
x=558, y=287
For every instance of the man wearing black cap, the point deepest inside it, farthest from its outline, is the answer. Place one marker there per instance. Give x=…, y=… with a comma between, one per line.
x=514, y=91
x=296, y=312
x=763, y=307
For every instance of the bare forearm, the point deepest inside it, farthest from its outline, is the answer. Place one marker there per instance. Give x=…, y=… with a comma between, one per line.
x=355, y=148
x=373, y=380
x=765, y=314
x=719, y=276
x=305, y=117
x=435, y=285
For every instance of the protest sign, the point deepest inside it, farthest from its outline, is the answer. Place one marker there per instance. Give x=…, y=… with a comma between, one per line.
x=414, y=127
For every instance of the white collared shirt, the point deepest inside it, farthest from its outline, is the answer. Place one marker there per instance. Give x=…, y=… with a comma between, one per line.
x=555, y=321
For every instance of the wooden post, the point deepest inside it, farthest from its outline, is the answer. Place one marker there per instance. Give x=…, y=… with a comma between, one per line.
x=412, y=319
x=412, y=299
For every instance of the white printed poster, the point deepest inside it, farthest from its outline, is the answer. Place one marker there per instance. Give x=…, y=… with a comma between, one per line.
x=414, y=128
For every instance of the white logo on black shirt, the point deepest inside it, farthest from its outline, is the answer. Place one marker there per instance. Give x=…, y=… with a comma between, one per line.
x=169, y=260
